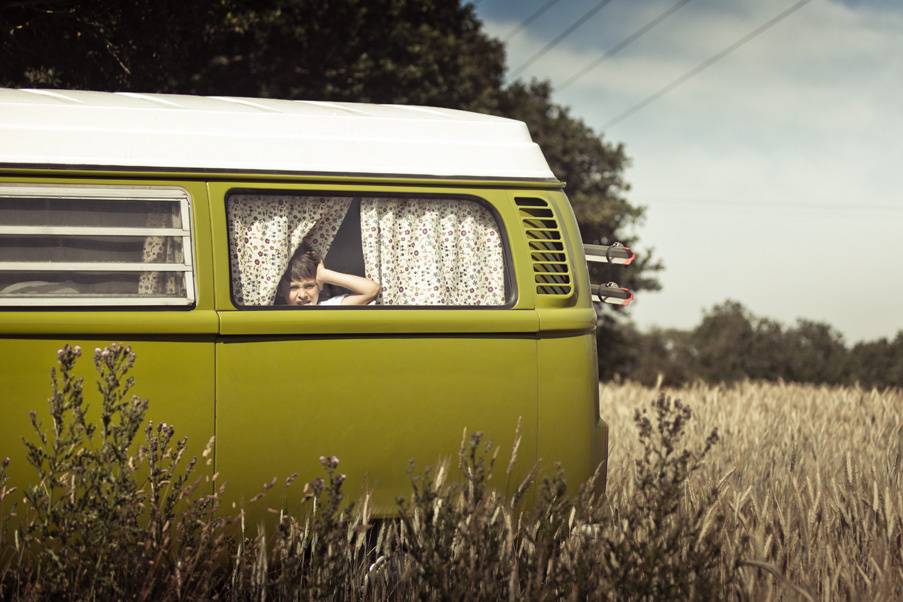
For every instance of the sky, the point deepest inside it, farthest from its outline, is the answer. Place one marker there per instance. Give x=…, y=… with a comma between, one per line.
x=773, y=177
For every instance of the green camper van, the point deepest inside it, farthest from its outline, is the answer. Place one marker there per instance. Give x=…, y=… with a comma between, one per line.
x=450, y=285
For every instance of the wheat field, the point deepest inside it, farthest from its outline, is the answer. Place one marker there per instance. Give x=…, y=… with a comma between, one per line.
x=812, y=476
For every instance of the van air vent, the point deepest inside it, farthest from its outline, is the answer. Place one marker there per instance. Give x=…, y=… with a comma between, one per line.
x=550, y=265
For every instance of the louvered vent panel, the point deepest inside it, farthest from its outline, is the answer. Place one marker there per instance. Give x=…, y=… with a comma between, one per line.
x=550, y=263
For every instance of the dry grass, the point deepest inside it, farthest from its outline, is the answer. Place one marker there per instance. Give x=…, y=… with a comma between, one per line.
x=797, y=496
x=812, y=476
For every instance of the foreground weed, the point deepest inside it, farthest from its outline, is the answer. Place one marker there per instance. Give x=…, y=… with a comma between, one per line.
x=461, y=539
x=319, y=554
x=109, y=519
x=656, y=545
x=7, y=548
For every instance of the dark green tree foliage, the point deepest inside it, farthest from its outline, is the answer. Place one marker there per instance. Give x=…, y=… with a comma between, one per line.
x=141, y=46
x=877, y=363
x=724, y=342
x=407, y=51
x=430, y=52
x=815, y=353
x=732, y=344
x=660, y=353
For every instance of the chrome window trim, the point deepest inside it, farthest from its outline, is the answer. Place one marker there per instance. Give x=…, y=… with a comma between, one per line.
x=112, y=193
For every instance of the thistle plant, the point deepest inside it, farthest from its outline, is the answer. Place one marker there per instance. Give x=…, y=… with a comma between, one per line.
x=108, y=517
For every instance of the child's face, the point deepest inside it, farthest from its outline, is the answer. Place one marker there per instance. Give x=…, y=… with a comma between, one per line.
x=303, y=292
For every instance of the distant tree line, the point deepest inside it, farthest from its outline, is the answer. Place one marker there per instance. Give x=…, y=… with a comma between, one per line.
x=732, y=344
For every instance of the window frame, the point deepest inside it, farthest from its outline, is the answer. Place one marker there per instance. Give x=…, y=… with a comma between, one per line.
x=511, y=289
x=111, y=193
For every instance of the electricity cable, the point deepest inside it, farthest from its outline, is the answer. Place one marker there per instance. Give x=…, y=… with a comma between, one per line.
x=583, y=19
x=536, y=14
x=622, y=44
x=724, y=204
x=706, y=63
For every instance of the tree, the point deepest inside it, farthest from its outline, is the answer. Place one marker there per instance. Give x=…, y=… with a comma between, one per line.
x=724, y=341
x=816, y=353
x=877, y=363
x=594, y=173
x=731, y=344
x=408, y=51
x=662, y=353
x=429, y=52
x=138, y=46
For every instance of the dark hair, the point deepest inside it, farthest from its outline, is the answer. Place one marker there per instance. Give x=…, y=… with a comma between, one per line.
x=302, y=266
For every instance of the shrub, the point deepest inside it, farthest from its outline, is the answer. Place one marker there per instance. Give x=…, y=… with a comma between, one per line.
x=658, y=546
x=108, y=519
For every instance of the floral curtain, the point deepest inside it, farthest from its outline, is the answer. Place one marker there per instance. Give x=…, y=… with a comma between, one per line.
x=265, y=230
x=432, y=252
x=161, y=249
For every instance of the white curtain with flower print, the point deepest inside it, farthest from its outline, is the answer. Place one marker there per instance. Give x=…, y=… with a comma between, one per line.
x=264, y=232
x=158, y=249
x=432, y=252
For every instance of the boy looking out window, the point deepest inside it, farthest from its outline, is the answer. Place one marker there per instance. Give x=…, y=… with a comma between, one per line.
x=304, y=279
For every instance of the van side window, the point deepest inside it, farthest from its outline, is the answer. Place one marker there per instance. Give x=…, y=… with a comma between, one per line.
x=374, y=251
x=95, y=245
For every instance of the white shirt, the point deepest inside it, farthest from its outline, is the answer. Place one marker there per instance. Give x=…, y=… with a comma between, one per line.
x=337, y=300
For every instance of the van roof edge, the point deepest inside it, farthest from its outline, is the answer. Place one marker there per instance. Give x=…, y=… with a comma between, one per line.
x=132, y=130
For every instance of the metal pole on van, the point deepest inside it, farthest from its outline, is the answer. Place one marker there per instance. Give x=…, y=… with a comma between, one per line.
x=616, y=254
x=611, y=293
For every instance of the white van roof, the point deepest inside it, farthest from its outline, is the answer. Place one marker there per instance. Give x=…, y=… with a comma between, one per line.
x=171, y=131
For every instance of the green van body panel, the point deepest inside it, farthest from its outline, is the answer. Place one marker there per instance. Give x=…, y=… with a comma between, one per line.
x=376, y=387
x=374, y=402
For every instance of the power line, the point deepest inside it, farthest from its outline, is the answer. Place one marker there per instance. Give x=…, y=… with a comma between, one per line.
x=536, y=14
x=706, y=63
x=586, y=17
x=724, y=204
x=623, y=44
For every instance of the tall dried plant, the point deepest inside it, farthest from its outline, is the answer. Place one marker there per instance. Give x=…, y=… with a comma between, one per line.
x=111, y=518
